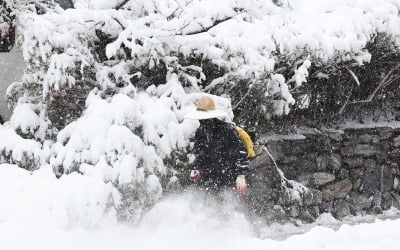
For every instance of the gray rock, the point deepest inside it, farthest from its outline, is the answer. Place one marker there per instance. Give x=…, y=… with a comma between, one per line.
x=365, y=150
x=372, y=180
x=338, y=190
x=394, y=154
x=336, y=136
x=377, y=199
x=375, y=139
x=326, y=207
x=370, y=165
x=387, y=179
x=322, y=178
x=314, y=211
x=387, y=201
x=289, y=159
x=382, y=157
x=277, y=213
x=377, y=210
x=365, y=138
x=308, y=198
x=298, y=148
x=262, y=160
x=335, y=147
x=357, y=184
x=276, y=150
x=294, y=212
x=396, y=184
x=343, y=174
x=322, y=162
x=385, y=133
x=357, y=173
x=306, y=179
x=306, y=165
x=347, y=151
x=334, y=162
x=316, y=197
x=396, y=141
x=341, y=209
x=378, y=179
x=306, y=217
x=353, y=162
x=359, y=202
x=396, y=200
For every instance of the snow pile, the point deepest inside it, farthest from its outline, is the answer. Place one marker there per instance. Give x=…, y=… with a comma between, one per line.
x=40, y=212
x=42, y=200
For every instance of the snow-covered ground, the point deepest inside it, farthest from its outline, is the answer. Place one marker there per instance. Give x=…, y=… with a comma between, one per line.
x=37, y=211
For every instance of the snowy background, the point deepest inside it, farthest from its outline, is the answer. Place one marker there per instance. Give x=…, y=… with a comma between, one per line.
x=115, y=159
x=11, y=70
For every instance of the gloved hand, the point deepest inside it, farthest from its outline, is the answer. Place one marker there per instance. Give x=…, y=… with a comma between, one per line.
x=195, y=175
x=241, y=185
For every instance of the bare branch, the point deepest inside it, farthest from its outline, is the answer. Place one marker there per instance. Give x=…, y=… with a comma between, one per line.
x=172, y=15
x=206, y=29
x=122, y=4
x=354, y=76
x=120, y=24
x=241, y=100
x=384, y=81
x=345, y=104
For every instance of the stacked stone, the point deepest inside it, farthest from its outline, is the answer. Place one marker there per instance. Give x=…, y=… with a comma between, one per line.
x=349, y=172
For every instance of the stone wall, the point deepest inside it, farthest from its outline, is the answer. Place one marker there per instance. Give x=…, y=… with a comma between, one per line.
x=351, y=171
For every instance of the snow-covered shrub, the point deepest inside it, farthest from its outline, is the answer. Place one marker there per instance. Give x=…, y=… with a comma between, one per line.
x=341, y=92
x=26, y=153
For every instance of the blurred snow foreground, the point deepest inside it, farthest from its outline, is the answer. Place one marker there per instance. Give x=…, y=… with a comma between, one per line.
x=41, y=212
x=107, y=84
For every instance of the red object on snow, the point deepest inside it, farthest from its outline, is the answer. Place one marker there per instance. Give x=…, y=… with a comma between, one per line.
x=195, y=175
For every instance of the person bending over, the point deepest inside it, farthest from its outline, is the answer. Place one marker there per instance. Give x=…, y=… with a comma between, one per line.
x=220, y=156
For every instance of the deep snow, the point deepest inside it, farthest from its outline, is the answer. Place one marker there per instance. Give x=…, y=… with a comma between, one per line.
x=37, y=211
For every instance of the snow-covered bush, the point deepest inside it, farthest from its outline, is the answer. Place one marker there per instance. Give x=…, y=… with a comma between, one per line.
x=107, y=84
